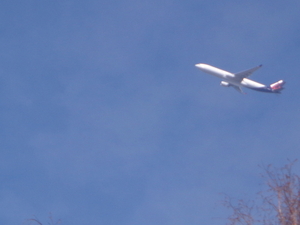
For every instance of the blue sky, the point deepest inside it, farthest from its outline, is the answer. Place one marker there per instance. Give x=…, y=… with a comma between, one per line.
x=105, y=119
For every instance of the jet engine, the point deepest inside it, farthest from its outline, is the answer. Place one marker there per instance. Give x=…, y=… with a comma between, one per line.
x=225, y=84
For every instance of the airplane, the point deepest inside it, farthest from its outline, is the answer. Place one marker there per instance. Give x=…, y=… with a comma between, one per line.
x=238, y=80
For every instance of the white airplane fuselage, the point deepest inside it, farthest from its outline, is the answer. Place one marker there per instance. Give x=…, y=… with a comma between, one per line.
x=231, y=79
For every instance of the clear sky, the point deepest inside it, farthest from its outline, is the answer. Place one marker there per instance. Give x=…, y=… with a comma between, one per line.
x=106, y=120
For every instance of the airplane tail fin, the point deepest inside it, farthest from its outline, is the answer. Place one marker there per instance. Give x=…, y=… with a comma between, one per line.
x=277, y=86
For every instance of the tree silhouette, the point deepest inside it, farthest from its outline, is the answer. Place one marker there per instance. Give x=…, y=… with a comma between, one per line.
x=278, y=205
x=34, y=221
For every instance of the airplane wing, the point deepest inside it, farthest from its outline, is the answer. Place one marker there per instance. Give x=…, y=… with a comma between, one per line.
x=238, y=89
x=241, y=75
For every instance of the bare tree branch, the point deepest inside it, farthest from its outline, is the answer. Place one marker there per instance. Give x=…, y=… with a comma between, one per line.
x=33, y=221
x=280, y=204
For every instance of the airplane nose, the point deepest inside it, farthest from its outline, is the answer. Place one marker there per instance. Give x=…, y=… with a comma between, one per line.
x=199, y=65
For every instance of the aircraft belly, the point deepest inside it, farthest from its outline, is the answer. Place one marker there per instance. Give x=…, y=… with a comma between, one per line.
x=215, y=71
x=234, y=82
x=217, y=74
x=251, y=84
